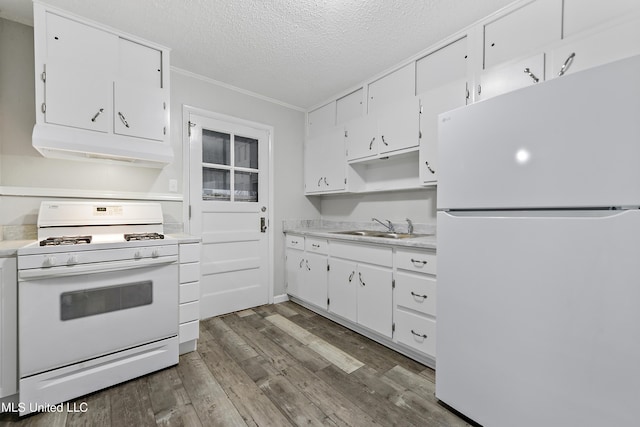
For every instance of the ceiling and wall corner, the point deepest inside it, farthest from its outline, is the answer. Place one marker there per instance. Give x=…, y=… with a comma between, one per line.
x=299, y=52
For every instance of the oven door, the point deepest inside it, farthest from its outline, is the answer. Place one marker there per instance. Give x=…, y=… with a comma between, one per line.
x=72, y=318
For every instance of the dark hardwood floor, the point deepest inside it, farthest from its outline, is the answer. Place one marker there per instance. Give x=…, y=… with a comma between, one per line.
x=275, y=365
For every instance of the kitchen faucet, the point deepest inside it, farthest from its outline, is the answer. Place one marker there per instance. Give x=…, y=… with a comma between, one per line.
x=389, y=225
x=409, y=226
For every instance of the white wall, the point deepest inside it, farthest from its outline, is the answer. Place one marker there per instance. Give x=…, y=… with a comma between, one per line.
x=417, y=205
x=22, y=166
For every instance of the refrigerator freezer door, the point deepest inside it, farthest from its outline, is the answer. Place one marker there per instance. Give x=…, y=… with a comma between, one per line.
x=569, y=142
x=538, y=318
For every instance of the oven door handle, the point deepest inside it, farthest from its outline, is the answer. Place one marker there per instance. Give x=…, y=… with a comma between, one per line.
x=74, y=270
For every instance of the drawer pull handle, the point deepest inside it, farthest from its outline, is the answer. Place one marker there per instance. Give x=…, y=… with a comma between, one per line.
x=294, y=242
x=351, y=276
x=360, y=278
x=307, y=264
x=419, y=296
x=100, y=111
x=371, y=143
x=566, y=64
x=417, y=261
x=424, y=336
x=315, y=245
x=301, y=262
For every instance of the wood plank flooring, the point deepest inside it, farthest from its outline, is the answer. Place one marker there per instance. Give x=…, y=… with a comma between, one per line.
x=275, y=365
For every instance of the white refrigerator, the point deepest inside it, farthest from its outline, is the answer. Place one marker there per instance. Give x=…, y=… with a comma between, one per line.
x=539, y=253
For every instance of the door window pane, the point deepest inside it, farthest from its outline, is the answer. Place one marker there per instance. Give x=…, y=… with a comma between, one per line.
x=216, y=147
x=216, y=184
x=246, y=187
x=246, y=152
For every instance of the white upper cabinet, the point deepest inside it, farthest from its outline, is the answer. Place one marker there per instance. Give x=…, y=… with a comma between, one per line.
x=325, y=162
x=522, y=31
x=441, y=84
x=120, y=86
x=391, y=88
x=581, y=15
x=350, y=106
x=79, y=62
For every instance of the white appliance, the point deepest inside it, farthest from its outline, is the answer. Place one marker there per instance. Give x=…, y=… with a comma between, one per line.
x=97, y=300
x=539, y=253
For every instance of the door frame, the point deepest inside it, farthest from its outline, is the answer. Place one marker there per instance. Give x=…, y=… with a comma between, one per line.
x=187, y=110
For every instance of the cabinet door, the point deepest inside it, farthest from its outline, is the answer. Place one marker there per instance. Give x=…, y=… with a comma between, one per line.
x=139, y=64
x=293, y=266
x=361, y=137
x=595, y=49
x=441, y=83
x=325, y=162
x=321, y=119
x=399, y=125
x=349, y=106
x=8, y=327
x=80, y=67
x=313, y=287
x=506, y=78
x=580, y=15
x=343, y=280
x=139, y=111
x=395, y=86
x=522, y=31
x=374, y=298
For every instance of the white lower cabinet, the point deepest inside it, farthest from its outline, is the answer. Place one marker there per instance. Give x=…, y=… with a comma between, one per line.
x=415, y=300
x=361, y=286
x=189, y=308
x=384, y=292
x=8, y=328
x=306, y=270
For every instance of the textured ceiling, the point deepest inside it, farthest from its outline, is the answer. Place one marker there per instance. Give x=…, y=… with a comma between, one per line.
x=299, y=52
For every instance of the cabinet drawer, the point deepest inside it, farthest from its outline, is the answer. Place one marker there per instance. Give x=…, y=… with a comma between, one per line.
x=190, y=272
x=189, y=311
x=418, y=261
x=362, y=253
x=417, y=292
x=189, y=331
x=416, y=331
x=316, y=245
x=189, y=292
x=295, y=242
x=189, y=252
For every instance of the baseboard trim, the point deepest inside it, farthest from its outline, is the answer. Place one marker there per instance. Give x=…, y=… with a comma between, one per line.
x=277, y=299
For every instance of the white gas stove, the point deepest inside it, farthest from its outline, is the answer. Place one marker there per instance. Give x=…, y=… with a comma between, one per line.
x=98, y=299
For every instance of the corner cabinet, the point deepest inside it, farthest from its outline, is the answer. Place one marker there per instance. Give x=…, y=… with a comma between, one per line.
x=8, y=328
x=385, y=292
x=120, y=86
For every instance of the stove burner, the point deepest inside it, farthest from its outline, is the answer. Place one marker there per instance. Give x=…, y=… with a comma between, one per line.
x=65, y=240
x=143, y=236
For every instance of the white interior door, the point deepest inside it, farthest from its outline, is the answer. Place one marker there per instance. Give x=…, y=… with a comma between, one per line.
x=229, y=200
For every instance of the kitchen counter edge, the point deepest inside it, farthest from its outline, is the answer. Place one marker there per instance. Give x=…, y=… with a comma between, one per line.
x=423, y=242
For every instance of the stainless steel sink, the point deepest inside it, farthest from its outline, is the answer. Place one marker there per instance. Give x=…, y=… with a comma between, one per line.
x=383, y=234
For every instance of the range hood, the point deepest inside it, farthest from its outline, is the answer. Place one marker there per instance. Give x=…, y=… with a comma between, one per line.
x=62, y=142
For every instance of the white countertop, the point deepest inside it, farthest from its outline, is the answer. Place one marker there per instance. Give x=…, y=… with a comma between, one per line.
x=421, y=242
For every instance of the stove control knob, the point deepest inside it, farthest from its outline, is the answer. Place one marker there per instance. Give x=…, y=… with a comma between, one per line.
x=73, y=260
x=155, y=253
x=50, y=261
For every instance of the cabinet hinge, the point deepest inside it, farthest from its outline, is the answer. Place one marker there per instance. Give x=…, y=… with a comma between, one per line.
x=164, y=105
x=346, y=134
x=43, y=107
x=43, y=76
x=393, y=283
x=393, y=327
x=345, y=180
x=189, y=211
x=328, y=267
x=479, y=89
x=419, y=134
x=164, y=130
x=328, y=302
